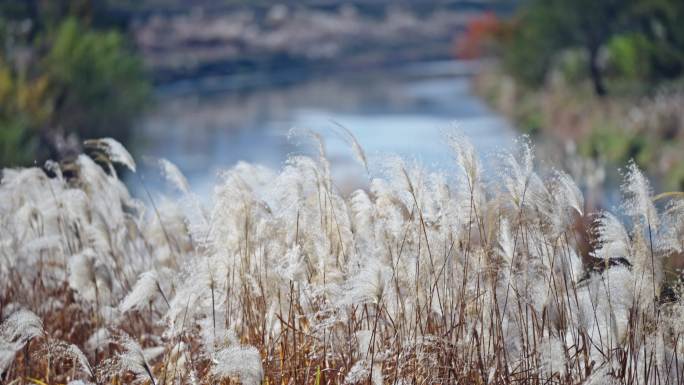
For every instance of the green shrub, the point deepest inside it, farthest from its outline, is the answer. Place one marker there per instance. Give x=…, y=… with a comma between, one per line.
x=526, y=55
x=24, y=108
x=17, y=145
x=80, y=80
x=627, y=57
x=572, y=65
x=607, y=142
x=528, y=116
x=100, y=86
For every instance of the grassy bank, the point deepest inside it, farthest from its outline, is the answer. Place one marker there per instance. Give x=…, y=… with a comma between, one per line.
x=605, y=75
x=424, y=279
x=645, y=126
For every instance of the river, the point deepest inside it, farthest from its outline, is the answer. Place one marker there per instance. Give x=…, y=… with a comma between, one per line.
x=404, y=111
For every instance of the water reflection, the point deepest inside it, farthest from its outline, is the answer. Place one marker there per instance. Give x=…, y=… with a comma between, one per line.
x=390, y=112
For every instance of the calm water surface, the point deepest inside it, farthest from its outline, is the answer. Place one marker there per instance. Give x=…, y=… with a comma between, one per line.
x=404, y=112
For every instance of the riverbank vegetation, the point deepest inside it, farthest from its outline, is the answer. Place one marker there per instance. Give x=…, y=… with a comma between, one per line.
x=606, y=75
x=426, y=278
x=66, y=74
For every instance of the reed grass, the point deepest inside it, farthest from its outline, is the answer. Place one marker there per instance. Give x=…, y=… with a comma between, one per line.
x=423, y=278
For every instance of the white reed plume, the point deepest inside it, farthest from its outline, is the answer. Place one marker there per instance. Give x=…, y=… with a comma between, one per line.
x=97, y=340
x=466, y=159
x=638, y=201
x=81, y=358
x=359, y=372
x=173, y=174
x=293, y=266
x=15, y=331
x=89, y=278
x=243, y=362
x=349, y=137
x=519, y=178
x=133, y=359
x=568, y=192
x=322, y=157
x=671, y=236
x=552, y=357
x=605, y=301
x=59, y=350
x=506, y=242
x=146, y=287
x=371, y=284
x=613, y=240
x=114, y=150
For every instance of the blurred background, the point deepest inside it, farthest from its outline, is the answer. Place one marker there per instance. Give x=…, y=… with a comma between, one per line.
x=207, y=83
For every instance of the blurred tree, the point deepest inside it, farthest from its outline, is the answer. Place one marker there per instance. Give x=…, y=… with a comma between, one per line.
x=98, y=86
x=63, y=71
x=645, y=38
x=546, y=27
x=626, y=56
x=659, y=22
x=25, y=106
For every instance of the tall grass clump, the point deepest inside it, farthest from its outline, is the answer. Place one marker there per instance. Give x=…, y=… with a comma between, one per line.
x=476, y=277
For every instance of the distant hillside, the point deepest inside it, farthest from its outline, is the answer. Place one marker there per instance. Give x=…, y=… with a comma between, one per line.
x=210, y=38
x=218, y=5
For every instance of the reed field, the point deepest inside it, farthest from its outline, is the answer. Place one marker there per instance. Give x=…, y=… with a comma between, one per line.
x=478, y=275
